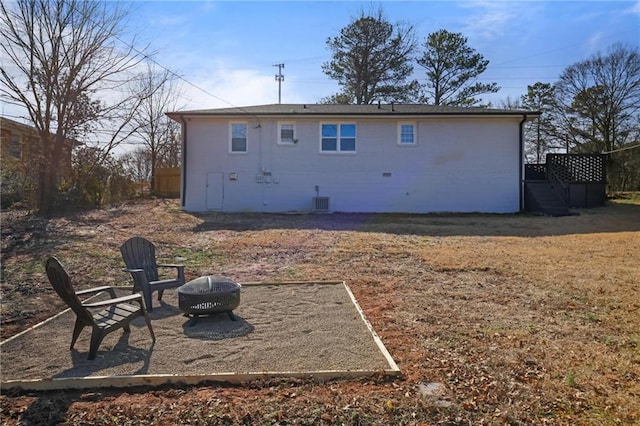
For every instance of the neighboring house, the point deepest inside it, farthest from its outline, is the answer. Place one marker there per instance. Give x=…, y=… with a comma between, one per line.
x=17, y=140
x=352, y=158
x=19, y=150
x=21, y=142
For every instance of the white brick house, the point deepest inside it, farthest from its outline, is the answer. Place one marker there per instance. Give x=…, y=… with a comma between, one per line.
x=352, y=158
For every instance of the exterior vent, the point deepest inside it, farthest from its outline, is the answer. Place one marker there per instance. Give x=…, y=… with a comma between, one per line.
x=321, y=204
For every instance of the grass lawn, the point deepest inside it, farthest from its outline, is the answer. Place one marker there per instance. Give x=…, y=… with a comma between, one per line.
x=514, y=319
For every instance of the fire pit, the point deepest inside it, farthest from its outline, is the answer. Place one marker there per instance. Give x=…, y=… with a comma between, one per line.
x=208, y=295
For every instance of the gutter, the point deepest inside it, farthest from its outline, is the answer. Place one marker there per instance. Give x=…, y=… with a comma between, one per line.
x=184, y=160
x=521, y=161
x=385, y=114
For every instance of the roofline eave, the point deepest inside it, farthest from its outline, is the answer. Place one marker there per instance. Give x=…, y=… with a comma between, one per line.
x=530, y=115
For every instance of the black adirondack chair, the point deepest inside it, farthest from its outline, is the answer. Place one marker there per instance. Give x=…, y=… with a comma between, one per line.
x=139, y=256
x=115, y=313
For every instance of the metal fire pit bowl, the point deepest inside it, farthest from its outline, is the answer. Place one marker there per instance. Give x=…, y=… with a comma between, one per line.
x=209, y=295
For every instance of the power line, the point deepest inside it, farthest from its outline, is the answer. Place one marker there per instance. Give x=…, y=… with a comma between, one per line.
x=149, y=58
x=528, y=66
x=144, y=55
x=307, y=59
x=621, y=149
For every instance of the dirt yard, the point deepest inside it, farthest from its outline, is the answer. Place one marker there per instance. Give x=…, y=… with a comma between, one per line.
x=493, y=319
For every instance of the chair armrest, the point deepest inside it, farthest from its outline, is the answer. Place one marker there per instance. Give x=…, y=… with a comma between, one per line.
x=126, y=287
x=96, y=290
x=93, y=290
x=127, y=298
x=137, y=274
x=179, y=270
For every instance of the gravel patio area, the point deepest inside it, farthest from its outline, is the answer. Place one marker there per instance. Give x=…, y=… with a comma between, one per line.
x=307, y=329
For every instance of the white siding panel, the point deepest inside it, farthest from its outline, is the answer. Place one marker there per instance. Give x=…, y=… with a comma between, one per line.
x=208, y=152
x=243, y=195
x=457, y=165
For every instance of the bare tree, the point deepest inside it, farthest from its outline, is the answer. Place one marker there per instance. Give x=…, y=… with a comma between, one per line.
x=510, y=103
x=67, y=66
x=137, y=163
x=601, y=96
x=156, y=131
x=172, y=152
x=98, y=181
x=599, y=109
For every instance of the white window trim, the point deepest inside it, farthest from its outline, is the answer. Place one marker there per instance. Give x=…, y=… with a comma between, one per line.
x=231, y=151
x=338, y=151
x=295, y=136
x=415, y=133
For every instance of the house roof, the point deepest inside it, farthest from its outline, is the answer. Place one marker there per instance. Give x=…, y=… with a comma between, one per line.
x=372, y=110
x=8, y=123
x=29, y=129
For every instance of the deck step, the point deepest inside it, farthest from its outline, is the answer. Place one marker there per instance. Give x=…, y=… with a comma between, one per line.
x=542, y=197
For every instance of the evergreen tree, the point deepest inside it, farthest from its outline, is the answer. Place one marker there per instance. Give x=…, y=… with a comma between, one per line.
x=452, y=68
x=372, y=61
x=540, y=135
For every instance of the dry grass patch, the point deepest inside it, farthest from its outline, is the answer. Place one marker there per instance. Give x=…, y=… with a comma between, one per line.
x=523, y=319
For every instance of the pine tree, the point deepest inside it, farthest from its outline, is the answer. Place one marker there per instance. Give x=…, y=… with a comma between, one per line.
x=452, y=68
x=372, y=61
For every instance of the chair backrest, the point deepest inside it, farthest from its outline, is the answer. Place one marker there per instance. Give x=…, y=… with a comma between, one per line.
x=140, y=253
x=61, y=283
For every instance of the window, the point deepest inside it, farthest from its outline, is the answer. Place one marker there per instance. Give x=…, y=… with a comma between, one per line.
x=338, y=137
x=406, y=134
x=286, y=133
x=238, y=142
x=15, y=147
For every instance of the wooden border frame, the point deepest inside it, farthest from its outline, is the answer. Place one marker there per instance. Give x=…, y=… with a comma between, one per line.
x=232, y=378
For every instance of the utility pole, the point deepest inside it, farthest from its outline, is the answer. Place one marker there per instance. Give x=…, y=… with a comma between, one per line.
x=279, y=79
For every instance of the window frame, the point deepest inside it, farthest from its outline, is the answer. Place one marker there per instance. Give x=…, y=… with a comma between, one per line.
x=246, y=137
x=15, y=146
x=294, y=139
x=339, y=138
x=414, y=126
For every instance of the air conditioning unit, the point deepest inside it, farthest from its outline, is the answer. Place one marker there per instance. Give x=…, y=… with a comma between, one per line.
x=321, y=204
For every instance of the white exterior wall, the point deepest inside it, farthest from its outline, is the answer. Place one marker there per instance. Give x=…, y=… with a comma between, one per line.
x=458, y=165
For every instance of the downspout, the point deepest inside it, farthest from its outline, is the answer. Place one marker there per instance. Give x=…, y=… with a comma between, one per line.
x=184, y=160
x=521, y=161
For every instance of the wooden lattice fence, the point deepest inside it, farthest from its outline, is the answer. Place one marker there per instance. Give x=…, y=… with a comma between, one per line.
x=581, y=179
x=535, y=172
x=575, y=168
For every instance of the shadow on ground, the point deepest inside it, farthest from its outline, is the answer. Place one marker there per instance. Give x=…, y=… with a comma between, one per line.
x=611, y=218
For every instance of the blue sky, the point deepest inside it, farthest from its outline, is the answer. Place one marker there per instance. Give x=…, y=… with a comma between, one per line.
x=228, y=48
x=225, y=50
